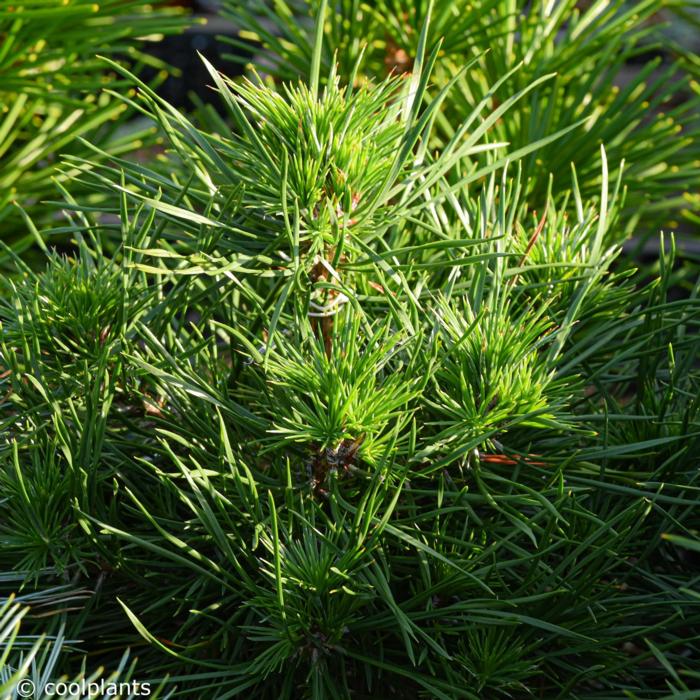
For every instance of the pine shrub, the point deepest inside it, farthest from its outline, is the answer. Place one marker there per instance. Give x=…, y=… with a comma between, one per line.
x=354, y=407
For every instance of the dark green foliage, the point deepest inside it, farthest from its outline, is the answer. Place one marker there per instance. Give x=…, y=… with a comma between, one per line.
x=52, y=93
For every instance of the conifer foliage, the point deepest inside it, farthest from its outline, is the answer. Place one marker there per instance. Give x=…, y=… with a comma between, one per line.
x=338, y=397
